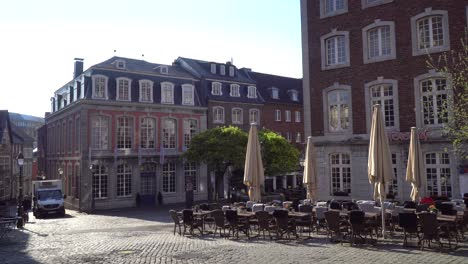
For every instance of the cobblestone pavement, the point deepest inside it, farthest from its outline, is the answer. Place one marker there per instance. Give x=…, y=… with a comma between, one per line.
x=145, y=236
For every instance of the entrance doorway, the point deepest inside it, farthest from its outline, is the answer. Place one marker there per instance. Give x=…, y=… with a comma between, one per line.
x=148, y=184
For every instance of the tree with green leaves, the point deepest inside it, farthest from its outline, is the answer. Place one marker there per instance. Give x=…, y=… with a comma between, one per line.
x=455, y=64
x=278, y=155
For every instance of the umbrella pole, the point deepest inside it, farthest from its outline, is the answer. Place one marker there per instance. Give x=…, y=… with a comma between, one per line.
x=382, y=209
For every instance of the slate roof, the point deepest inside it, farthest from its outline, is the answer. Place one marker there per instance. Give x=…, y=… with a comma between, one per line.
x=19, y=136
x=17, y=116
x=4, y=123
x=284, y=84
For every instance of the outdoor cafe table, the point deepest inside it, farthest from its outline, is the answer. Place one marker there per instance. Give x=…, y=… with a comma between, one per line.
x=201, y=214
x=290, y=214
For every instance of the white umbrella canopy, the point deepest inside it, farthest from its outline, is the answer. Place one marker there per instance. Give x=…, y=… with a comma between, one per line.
x=309, y=176
x=415, y=167
x=379, y=163
x=254, y=176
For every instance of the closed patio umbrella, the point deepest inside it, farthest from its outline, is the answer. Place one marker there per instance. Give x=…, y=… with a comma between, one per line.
x=415, y=167
x=379, y=163
x=253, y=169
x=310, y=177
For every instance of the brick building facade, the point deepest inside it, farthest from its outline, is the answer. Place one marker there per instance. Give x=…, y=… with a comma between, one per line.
x=358, y=53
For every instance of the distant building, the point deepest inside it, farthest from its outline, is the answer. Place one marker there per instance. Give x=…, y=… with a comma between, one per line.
x=360, y=53
x=29, y=124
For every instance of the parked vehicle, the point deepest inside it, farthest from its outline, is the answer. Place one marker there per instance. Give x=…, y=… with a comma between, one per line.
x=48, y=198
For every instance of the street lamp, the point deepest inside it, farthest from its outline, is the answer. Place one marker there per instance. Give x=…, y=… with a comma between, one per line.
x=20, y=160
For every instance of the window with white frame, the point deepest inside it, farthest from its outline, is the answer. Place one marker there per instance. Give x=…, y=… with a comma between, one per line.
x=213, y=68
x=237, y=116
x=100, y=180
x=120, y=64
x=438, y=173
x=335, y=50
x=190, y=173
x=338, y=103
x=392, y=187
x=124, y=132
x=231, y=71
x=288, y=136
x=77, y=134
x=252, y=92
x=333, y=7
x=254, y=116
x=169, y=134
x=340, y=172
x=297, y=116
x=123, y=89
x=99, y=87
x=235, y=90
x=218, y=114
x=190, y=129
x=169, y=177
x=146, y=91
x=147, y=133
x=275, y=93
x=124, y=180
x=287, y=116
x=100, y=132
x=383, y=94
x=216, y=88
x=277, y=115
x=378, y=41
x=167, y=93
x=187, y=94
x=371, y=3
x=222, y=70
x=294, y=95
x=434, y=101
x=298, y=137
x=430, y=32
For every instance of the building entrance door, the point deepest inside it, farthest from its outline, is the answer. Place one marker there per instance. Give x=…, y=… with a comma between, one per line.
x=148, y=184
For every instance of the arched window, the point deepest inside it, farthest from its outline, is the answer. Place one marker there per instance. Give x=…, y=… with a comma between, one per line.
x=218, y=115
x=147, y=133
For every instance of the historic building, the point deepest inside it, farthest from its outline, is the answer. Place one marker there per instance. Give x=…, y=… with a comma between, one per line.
x=116, y=133
x=359, y=53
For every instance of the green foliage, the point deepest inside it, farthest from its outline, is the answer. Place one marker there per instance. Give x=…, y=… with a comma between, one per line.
x=455, y=63
x=279, y=156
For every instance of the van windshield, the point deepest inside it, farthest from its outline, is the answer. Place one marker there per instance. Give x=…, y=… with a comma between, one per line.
x=49, y=195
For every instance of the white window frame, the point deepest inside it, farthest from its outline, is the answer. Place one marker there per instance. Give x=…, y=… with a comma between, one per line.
x=365, y=40
x=294, y=95
x=298, y=137
x=169, y=138
x=394, y=184
x=234, y=90
x=275, y=93
x=129, y=89
x=222, y=69
x=287, y=115
x=102, y=132
x=127, y=137
x=143, y=85
x=237, y=121
x=277, y=115
x=415, y=36
x=341, y=171
x=326, y=120
x=188, y=89
x=231, y=71
x=191, y=170
x=120, y=64
x=167, y=87
x=297, y=116
x=324, y=13
x=365, y=3
x=251, y=92
x=213, y=68
x=288, y=136
x=148, y=133
x=439, y=166
x=418, y=97
x=189, y=131
x=254, y=114
x=124, y=180
x=105, y=88
x=169, y=177
x=100, y=174
x=216, y=88
x=323, y=49
x=381, y=81
x=218, y=117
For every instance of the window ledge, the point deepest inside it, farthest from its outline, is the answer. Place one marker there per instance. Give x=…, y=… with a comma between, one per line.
x=419, y=52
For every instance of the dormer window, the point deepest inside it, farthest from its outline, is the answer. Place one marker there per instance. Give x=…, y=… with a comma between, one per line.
x=222, y=70
x=164, y=70
x=213, y=68
x=275, y=93
x=99, y=87
x=123, y=89
x=231, y=71
x=216, y=88
x=120, y=64
x=234, y=90
x=252, y=92
x=294, y=95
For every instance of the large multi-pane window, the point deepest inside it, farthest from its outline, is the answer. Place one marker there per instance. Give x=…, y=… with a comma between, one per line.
x=100, y=175
x=190, y=129
x=252, y=92
x=434, y=101
x=392, y=187
x=338, y=110
x=297, y=116
x=169, y=134
x=99, y=87
x=383, y=94
x=187, y=94
x=167, y=93
x=123, y=89
x=146, y=91
x=218, y=114
x=216, y=88
x=124, y=132
x=430, y=32
x=169, y=177
x=147, y=133
x=379, y=41
x=100, y=132
x=287, y=116
x=332, y=7
x=336, y=50
x=340, y=172
x=234, y=90
x=277, y=115
x=254, y=116
x=237, y=116
x=438, y=174
x=124, y=180
x=275, y=93
x=190, y=173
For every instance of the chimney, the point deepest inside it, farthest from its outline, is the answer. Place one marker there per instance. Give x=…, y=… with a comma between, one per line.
x=78, y=67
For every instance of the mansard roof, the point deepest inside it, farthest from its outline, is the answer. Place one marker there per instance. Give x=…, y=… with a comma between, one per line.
x=267, y=82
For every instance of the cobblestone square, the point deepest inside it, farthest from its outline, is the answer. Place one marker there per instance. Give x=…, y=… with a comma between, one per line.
x=145, y=236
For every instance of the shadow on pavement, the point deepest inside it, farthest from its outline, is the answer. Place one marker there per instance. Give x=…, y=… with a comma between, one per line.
x=158, y=213
x=13, y=246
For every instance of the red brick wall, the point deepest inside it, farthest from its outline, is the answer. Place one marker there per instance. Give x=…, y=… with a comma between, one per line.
x=282, y=126
x=404, y=68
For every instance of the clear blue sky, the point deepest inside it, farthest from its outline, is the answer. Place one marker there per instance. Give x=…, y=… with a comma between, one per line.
x=40, y=38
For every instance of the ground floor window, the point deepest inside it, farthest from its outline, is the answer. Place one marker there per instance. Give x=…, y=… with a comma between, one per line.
x=438, y=174
x=340, y=172
x=124, y=180
x=99, y=181
x=392, y=187
x=169, y=177
x=190, y=173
